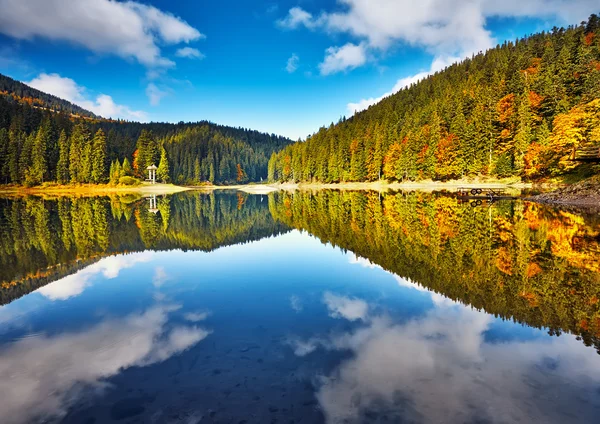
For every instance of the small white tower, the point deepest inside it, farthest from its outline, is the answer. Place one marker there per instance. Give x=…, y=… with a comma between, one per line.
x=152, y=173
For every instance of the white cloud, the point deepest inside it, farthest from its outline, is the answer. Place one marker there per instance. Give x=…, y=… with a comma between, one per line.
x=67, y=89
x=292, y=63
x=437, y=25
x=126, y=29
x=568, y=11
x=155, y=94
x=351, y=309
x=190, y=53
x=447, y=30
x=441, y=26
x=339, y=59
x=40, y=376
x=295, y=18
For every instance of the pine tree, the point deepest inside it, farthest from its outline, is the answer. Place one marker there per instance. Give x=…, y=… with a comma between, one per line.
x=224, y=170
x=126, y=168
x=25, y=158
x=241, y=176
x=77, y=161
x=271, y=168
x=377, y=154
x=211, y=173
x=111, y=173
x=98, y=173
x=86, y=162
x=4, y=142
x=146, y=150
x=197, y=176
x=117, y=172
x=357, y=161
x=15, y=142
x=62, y=168
x=38, y=169
x=163, y=167
x=391, y=162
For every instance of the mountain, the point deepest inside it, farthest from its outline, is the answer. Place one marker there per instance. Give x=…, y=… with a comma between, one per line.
x=523, y=109
x=44, y=138
x=22, y=93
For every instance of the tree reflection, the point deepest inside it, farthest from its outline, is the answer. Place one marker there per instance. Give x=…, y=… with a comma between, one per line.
x=516, y=260
x=520, y=261
x=43, y=240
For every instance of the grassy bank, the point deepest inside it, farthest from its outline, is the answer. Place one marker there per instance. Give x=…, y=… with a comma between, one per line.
x=91, y=189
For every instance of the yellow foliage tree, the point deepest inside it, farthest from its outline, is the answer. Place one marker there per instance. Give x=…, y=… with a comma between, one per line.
x=580, y=125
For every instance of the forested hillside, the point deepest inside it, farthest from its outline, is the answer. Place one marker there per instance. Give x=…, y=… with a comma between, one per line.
x=522, y=109
x=25, y=94
x=43, y=138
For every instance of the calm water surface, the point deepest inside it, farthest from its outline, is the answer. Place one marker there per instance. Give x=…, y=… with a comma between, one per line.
x=308, y=308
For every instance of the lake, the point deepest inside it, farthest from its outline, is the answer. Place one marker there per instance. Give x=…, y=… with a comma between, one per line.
x=305, y=307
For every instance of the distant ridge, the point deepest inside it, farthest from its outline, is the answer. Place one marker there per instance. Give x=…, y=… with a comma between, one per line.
x=25, y=94
x=45, y=139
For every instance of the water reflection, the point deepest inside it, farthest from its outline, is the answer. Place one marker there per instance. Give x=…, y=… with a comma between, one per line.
x=441, y=368
x=74, y=284
x=521, y=261
x=406, y=307
x=42, y=375
x=44, y=240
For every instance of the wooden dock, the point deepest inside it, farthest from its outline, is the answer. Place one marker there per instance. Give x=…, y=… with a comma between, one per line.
x=477, y=195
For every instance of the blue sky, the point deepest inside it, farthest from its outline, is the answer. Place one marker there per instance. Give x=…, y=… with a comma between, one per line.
x=286, y=67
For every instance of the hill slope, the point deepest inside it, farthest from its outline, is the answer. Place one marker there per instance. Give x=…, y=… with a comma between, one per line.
x=23, y=93
x=521, y=109
x=44, y=138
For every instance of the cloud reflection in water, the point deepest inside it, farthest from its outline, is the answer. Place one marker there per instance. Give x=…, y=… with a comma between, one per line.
x=441, y=368
x=74, y=284
x=41, y=376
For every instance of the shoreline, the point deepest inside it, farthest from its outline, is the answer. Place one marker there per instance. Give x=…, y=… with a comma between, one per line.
x=92, y=189
x=257, y=188
x=251, y=188
x=583, y=195
x=426, y=185
x=553, y=192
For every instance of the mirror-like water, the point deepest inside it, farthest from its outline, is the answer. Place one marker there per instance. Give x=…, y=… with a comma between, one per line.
x=335, y=307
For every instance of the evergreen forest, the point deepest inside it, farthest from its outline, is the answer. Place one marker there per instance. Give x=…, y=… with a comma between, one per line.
x=525, y=109
x=45, y=139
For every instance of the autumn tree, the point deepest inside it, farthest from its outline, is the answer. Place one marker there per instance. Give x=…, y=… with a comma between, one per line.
x=241, y=176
